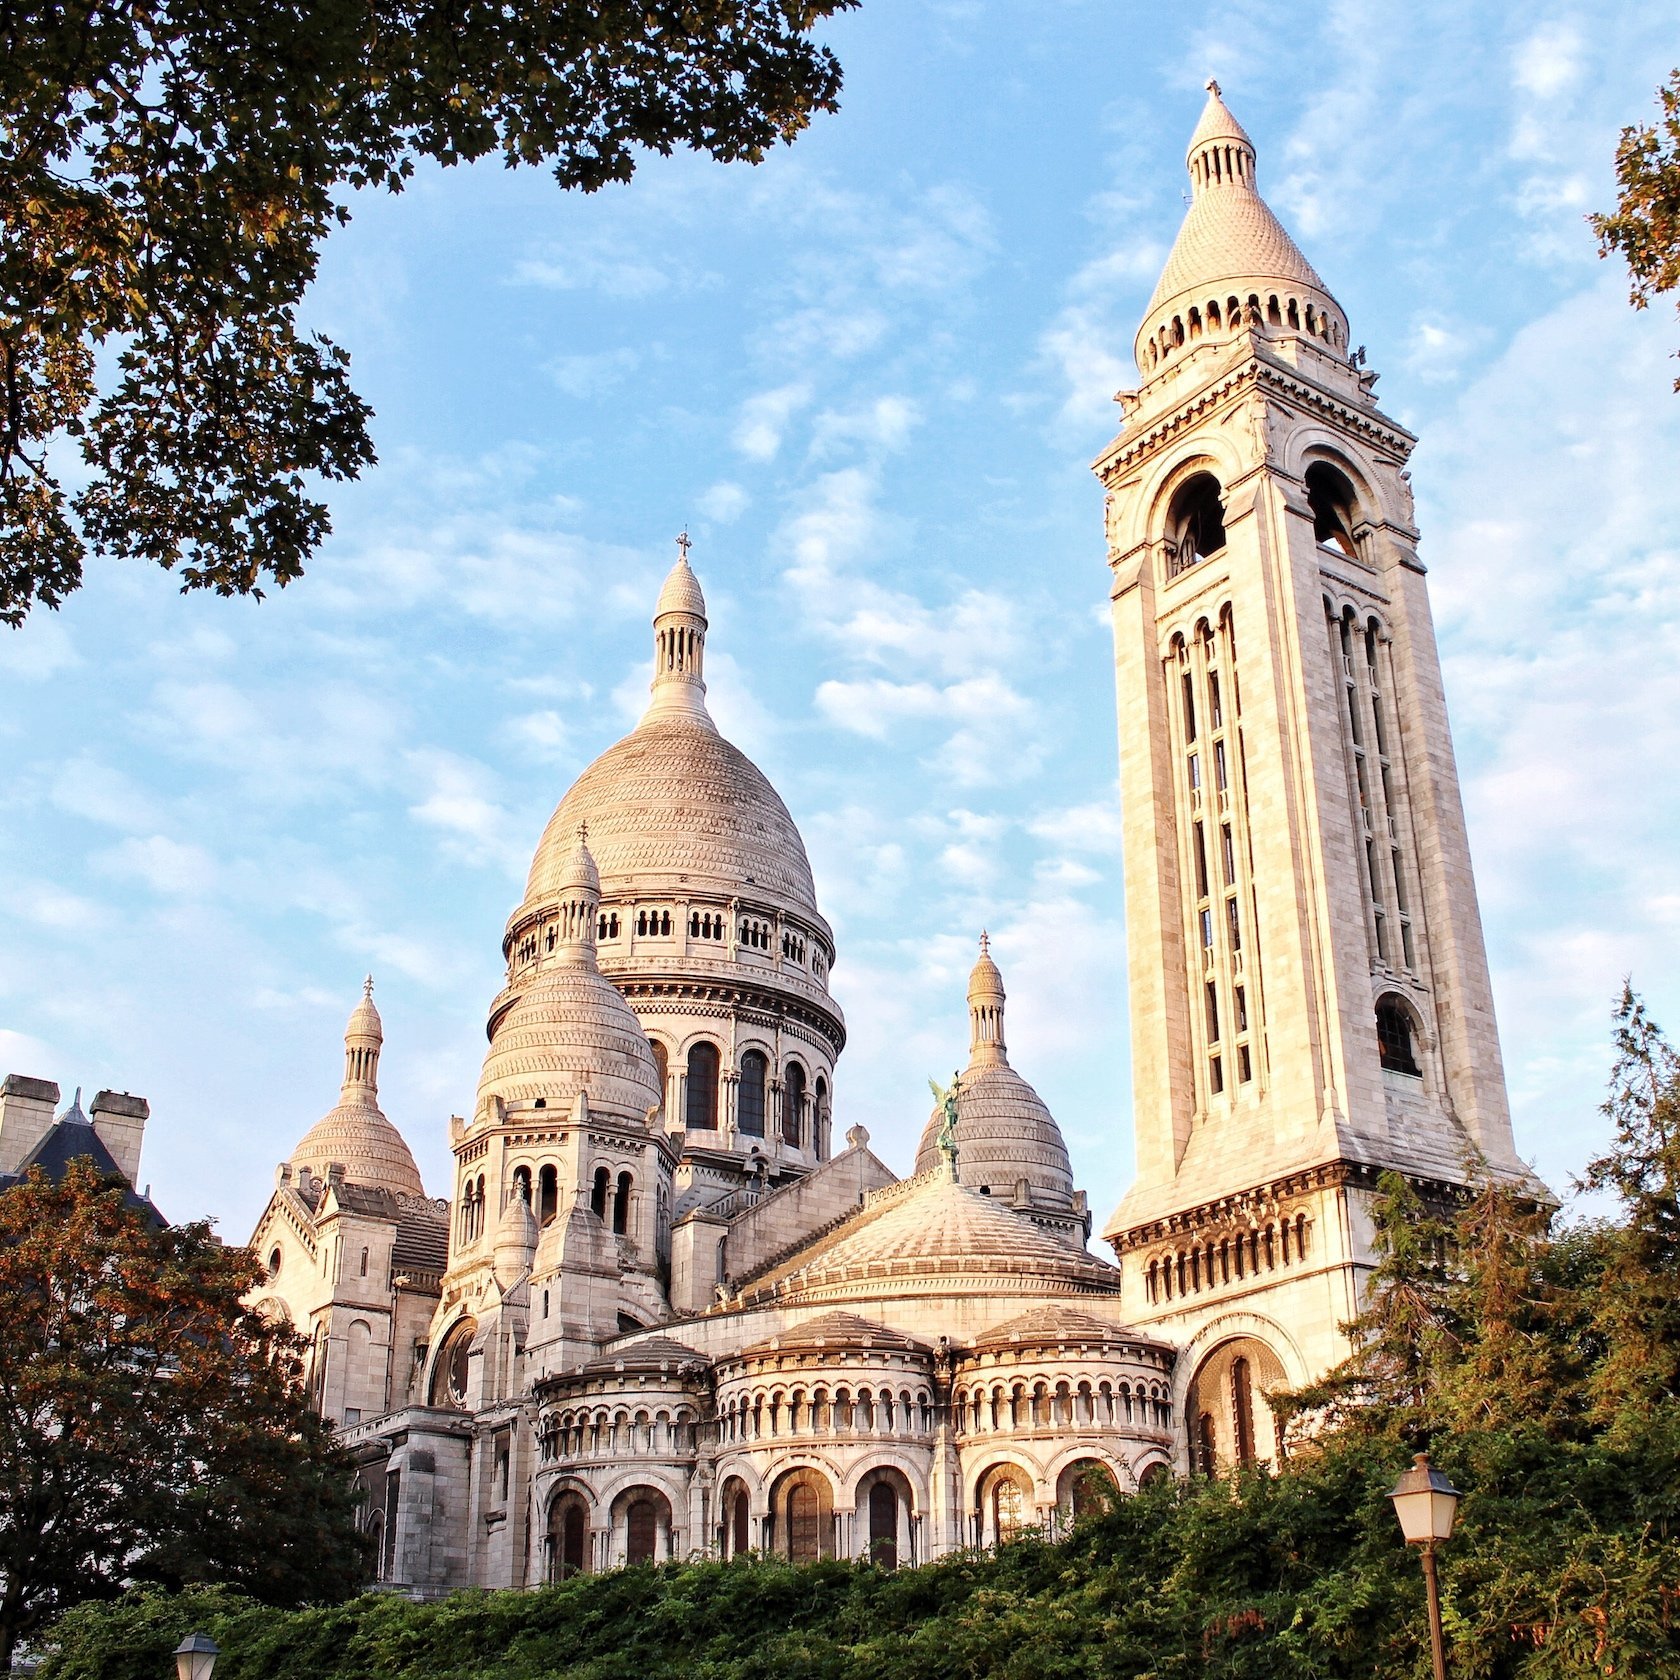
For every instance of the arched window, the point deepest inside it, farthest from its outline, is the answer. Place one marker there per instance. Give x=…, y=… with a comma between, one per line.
x=641, y=1531
x=1242, y=1409
x=568, y=1527
x=1007, y=1507
x=662, y=1067
x=793, y=1105
x=701, y=1106
x=883, y=1525
x=449, y=1373
x=1207, y=1457
x=1331, y=498
x=598, y=1192
x=1394, y=1038
x=522, y=1184
x=1083, y=1488
x=548, y=1194
x=749, y=1109
x=1195, y=523
x=819, y=1119
x=621, y=1205
x=737, y=1519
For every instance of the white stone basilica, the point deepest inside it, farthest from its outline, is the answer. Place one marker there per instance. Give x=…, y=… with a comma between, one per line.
x=664, y=1313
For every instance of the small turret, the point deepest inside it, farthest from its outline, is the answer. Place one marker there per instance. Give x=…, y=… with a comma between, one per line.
x=679, y=643
x=986, y=1047
x=364, y=1034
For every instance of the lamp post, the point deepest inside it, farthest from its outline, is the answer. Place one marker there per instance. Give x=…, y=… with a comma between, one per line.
x=195, y=1657
x=1427, y=1504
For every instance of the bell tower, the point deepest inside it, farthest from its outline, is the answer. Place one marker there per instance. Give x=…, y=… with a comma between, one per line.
x=1309, y=990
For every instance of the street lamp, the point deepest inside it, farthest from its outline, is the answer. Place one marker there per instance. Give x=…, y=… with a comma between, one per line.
x=1426, y=1504
x=195, y=1657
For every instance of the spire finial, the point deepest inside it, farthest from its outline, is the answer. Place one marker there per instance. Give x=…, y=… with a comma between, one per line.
x=367, y=988
x=1212, y=86
x=583, y=832
x=684, y=543
x=985, y=943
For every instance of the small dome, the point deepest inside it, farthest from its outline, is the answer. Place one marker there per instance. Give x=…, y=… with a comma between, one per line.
x=654, y=1354
x=681, y=592
x=838, y=1330
x=1053, y=1327
x=1004, y=1133
x=355, y=1134
x=571, y=1031
x=358, y=1137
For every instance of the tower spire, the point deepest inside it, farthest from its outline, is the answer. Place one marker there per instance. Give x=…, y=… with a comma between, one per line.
x=679, y=643
x=364, y=1033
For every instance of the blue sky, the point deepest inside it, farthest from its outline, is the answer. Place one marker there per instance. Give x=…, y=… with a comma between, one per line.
x=869, y=377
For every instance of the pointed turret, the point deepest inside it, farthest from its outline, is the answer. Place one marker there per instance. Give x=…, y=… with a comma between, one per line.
x=579, y=891
x=1233, y=268
x=679, y=643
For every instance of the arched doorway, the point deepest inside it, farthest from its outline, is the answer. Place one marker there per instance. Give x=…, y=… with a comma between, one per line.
x=1231, y=1426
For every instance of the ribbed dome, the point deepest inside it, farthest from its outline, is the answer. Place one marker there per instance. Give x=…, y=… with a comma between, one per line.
x=674, y=800
x=1004, y=1133
x=571, y=1031
x=943, y=1226
x=355, y=1135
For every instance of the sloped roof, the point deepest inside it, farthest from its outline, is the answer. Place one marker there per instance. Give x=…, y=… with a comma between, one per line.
x=836, y=1330
x=71, y=1137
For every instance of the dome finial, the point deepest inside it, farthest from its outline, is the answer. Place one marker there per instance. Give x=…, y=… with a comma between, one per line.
x=367, y=988
x=364, y=1033
x=1212, y=86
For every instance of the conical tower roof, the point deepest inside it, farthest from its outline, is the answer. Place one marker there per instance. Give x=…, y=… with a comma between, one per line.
x=1231, y=247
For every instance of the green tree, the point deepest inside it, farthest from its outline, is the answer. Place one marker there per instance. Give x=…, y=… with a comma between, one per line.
x=151, y=1427
x=168, y=172
x=1645, y=226
x=1635, y=1299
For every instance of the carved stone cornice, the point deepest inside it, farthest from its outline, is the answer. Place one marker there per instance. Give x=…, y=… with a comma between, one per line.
x=1255, y=375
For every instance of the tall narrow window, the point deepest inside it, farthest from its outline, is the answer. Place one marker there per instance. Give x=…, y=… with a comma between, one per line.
x=793, y=1105
x=548, y=1188
x=621, y=1205
x=701, y=1107
x=1242, y=1409
x=599, y=1191
x=1394, y=1039
x=749, y=1109
x=883, y=1525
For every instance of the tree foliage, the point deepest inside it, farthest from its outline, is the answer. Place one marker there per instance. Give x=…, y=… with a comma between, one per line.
x=1645, y=225
x=168, y=172
x=1539, y=1376
x=151, y=1428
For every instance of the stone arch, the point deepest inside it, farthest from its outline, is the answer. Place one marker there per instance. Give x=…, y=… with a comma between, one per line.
x=1084, y=1482
x=802, y=1514
x=884, y=1503
x=566, y=1534
x=641, y=1524
x=1228, y=1423
x=1002, y=1504
x=446, y=1383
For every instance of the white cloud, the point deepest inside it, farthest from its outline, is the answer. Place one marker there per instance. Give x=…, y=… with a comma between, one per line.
x=607, y=265
x=541, y=735
x=723, y=503
x=880, y=426
x=459, y=802
x=49, y=906
x=87, y=788
x=764, y=419
x=38, y=650
x=19, y=1053
x=171, y=867
x=1548, y=63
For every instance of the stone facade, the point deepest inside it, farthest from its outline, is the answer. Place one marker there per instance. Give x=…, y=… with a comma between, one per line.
x=661, y=1315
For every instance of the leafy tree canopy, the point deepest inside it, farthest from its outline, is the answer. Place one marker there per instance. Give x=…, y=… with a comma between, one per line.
x=151, y=1428
x=168, y=172
x=1645, y=226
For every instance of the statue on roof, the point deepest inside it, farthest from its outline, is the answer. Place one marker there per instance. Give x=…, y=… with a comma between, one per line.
x=946, y=1096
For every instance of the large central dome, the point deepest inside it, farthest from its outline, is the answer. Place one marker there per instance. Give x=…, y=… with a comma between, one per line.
x=674, y=800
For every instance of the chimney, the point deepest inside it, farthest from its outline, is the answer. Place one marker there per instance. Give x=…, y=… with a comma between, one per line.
x=120, y=1121
x=26, y=1111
